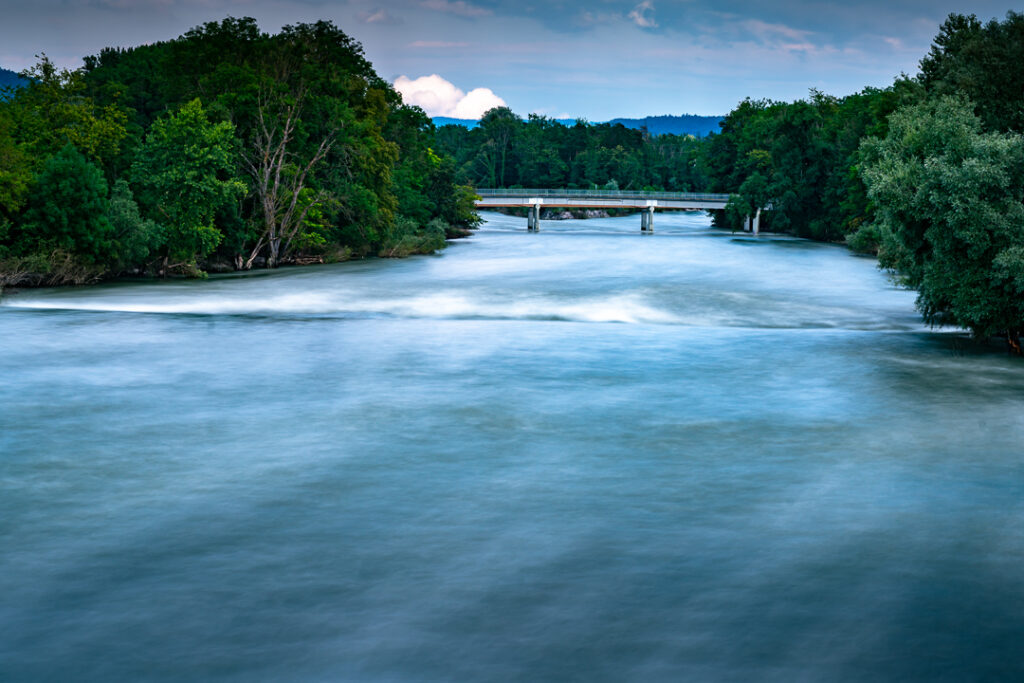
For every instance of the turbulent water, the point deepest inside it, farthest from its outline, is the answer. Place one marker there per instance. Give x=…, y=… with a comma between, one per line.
x=584, y=454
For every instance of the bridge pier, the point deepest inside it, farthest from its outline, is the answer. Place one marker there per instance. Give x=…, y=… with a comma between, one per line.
x=533, y=219
x=647, y=219
x=757, y=223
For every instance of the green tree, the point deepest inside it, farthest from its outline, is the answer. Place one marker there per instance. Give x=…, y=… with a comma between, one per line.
x=185, y=173
x=500, y=128
x=950, y=210
x=68, y=210
x=985, y=63
x=135, y=237
x=53, y=110
x=15, y=170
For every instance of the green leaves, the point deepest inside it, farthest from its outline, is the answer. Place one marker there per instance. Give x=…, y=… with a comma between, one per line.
x=185, y=173
x=136, y=237
x=68, y=209
x=950, y=209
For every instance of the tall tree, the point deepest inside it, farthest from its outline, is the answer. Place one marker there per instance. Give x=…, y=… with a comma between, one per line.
x=185, y=173
x=950, y=206
x=68, y=210
x=985, y=63
x=279, y=175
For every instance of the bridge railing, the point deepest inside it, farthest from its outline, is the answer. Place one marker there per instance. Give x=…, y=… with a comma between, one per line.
x=601, y=194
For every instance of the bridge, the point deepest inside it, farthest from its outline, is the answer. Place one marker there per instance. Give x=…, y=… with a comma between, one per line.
x=644, y=202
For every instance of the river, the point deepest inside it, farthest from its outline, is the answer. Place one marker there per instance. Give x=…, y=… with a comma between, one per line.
x=584, y=454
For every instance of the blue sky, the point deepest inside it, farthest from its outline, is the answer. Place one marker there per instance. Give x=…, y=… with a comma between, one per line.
x=598, y=59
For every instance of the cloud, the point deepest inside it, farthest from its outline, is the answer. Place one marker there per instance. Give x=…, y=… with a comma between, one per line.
x=380, y=16
x=784, y=37
x=460, y=7
x=641, y=18
x=437, y=44
x=439, y=97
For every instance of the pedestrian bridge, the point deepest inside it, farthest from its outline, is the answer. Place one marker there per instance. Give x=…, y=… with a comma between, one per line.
x=645, y=202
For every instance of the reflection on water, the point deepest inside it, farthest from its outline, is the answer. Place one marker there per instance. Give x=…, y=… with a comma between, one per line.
x=582, y=454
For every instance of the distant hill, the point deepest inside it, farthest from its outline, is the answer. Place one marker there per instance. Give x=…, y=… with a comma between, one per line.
x=9, y=78
x=687, y=124
x=473, y=123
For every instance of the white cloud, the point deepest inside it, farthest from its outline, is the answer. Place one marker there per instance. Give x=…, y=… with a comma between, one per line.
x=460, y=7
x=641, y=18
x=379, y=16
x=437, y=44
x=439, y=97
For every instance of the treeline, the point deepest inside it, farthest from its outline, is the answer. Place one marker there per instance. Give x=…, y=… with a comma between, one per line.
x=507, y=151
x=928, y=173
x=224, y=146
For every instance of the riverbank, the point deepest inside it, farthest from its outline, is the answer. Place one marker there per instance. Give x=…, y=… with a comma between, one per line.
x=60, y=269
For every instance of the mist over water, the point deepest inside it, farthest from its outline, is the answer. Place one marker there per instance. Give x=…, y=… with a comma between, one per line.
x=584, y=454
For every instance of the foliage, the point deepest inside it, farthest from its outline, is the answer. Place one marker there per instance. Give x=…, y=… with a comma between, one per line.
x=506, y=151
x=240, y=147
x=136, y=237
x=54, y=110
x=950, y=211
x=185, y=174
x=801, y=158
x=985, y=63
x=68, y=211
x=407, y=237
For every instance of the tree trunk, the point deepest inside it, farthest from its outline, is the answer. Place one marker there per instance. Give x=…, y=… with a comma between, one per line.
x=1013, y=340
x=275, y=248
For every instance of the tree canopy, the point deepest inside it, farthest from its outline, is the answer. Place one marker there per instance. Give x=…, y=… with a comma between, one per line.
x=225, y=145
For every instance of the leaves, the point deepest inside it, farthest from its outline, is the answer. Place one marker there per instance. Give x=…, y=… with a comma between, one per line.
x=185, y=173
x=950, y=209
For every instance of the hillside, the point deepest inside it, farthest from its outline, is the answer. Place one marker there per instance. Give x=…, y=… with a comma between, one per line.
x=9, y=78
x=686, y=124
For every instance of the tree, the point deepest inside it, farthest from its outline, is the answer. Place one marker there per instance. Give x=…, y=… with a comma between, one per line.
x=15, y=170
x=53, y=111
x=950, y=210
x=68, y=210
x=985, y=63
x=500, y=129
x=185, y=172
x=279, y=176
x=135, y=237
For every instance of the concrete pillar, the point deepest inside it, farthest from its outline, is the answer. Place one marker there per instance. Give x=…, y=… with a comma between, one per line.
x=533, y=218
x=643, y=221
x=746, y=224
x=757, y=222
x=650, y=219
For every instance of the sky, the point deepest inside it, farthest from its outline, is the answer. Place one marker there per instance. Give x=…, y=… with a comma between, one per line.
x=596, y=60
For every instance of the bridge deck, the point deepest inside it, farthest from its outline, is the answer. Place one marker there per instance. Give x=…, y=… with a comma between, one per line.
x=599, y=199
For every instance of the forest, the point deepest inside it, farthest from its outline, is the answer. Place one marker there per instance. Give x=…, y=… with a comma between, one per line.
x=226, y=148
x=507, y=151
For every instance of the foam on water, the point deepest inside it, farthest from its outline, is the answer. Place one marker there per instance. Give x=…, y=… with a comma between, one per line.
x=626, y=308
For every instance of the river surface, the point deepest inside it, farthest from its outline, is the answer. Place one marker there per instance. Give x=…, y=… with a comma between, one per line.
x=578, y=455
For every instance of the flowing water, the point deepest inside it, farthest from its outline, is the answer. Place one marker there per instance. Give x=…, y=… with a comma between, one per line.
x=584, y=454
